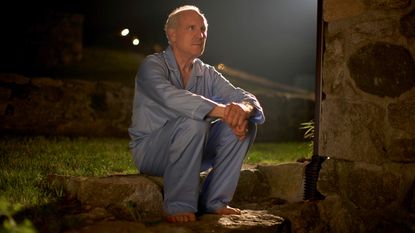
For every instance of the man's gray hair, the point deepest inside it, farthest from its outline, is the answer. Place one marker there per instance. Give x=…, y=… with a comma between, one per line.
x=171, y=21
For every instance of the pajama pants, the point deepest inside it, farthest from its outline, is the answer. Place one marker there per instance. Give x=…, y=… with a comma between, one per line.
x=183, y=148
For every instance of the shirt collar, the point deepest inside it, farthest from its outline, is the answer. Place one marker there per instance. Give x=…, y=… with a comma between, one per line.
x=170, y=59
x=172, y=64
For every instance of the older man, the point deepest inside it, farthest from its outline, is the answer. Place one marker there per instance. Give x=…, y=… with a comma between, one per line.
x=188, y=118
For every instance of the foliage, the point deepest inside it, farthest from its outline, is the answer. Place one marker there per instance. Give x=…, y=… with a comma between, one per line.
x=309, y=129
x=7, y=221
x=309, y=133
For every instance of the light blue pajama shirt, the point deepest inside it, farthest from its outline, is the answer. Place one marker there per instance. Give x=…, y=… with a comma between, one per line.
x=172, y=135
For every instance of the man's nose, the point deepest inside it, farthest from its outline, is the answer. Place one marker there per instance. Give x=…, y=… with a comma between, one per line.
x=201, y=34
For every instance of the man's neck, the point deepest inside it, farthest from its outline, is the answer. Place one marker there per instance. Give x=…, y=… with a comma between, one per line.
x=185, y=65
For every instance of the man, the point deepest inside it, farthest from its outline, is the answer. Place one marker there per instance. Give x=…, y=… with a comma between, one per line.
x=188, y=118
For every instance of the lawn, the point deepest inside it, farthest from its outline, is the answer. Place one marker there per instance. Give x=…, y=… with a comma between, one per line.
x=25, y=162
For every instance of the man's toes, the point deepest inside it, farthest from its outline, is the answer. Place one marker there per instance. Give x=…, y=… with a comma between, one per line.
x=179, y=218
x=227, y=210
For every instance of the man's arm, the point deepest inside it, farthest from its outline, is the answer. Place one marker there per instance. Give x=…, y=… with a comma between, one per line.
x=236, y=115
x=218, y=111
x=225, y=92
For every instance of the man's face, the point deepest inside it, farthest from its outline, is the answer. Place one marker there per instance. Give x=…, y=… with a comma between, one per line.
x=189, y=36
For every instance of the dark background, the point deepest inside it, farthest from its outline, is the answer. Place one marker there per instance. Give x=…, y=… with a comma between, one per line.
x=274, y=39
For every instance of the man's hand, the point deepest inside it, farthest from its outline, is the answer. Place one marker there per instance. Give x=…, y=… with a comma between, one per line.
x=236, y=115
x=241, y=130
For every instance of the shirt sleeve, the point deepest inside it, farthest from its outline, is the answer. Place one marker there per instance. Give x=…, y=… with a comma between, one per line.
x=153, y=81
x=224, y=92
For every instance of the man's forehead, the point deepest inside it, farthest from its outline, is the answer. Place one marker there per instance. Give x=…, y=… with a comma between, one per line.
x=190, y=16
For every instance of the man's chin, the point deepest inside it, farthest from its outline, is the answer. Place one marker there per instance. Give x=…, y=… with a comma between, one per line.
x=199, y=52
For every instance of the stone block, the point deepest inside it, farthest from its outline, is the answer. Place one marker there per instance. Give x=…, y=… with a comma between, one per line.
x=285, y=180
x=46, y=82
x=14, y=78
x=252, y=186
x=328, y=180
x=3, y=108
x=387, y=4
x=407, y=25
x=341, y=218
x=402, y=150
x=353, y=130
x=369, y=28
x=304, y=217
x=401, y=115
x=377, y=190
x=410, y=199
x=383, y=69
x=341, y=9
x=130, y=197
x=367, y=186
x=5, y=93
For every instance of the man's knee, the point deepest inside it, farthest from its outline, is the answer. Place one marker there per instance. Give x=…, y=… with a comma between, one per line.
x=191, y=127
x=250, y=134
x=252, y=130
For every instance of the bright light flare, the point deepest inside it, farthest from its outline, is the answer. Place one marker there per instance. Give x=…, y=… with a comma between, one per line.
x=125, y=32
x=136, y=41
x=221, y=66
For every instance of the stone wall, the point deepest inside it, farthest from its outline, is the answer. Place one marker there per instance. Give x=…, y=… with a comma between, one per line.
x=81, y=108
x=63, y=107
x=368, y=116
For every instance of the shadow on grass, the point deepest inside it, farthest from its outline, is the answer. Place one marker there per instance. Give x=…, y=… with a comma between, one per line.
x=53, y=217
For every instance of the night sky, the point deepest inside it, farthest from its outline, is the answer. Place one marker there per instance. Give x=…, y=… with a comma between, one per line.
x=270, y=38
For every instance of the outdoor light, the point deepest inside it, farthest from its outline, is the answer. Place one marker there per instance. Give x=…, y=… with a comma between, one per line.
x=136, y=41
x=125, y=32
x=221, y=66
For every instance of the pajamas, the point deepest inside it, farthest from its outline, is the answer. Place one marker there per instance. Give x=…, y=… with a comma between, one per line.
x=173, y=137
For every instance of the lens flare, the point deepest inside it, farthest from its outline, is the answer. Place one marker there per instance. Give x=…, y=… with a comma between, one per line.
x=136, y=41
x=125, y=32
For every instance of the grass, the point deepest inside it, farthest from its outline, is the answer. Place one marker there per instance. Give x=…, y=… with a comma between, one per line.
x=278, y=152
x=25, y=162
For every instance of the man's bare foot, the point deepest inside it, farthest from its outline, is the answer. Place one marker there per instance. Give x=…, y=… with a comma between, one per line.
x=181, y=217
x=227, y=210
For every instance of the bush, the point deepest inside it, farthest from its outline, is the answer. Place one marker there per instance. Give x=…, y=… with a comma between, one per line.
x=8, y=223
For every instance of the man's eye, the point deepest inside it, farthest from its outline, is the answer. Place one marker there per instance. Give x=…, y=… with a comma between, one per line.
x=191, y=28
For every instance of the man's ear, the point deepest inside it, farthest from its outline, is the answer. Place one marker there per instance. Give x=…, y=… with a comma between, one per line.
x=172, y=34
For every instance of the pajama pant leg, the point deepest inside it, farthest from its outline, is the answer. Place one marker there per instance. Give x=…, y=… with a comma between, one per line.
x=175, y=152
x=225, y=154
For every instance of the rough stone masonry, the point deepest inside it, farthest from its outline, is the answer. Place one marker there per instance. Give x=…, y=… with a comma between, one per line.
x=368, y=116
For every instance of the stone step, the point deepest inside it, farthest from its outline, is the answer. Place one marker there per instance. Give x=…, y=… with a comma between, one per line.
x=283, y=181
x=129, y=197
x=138, y=199
x=249, y=221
